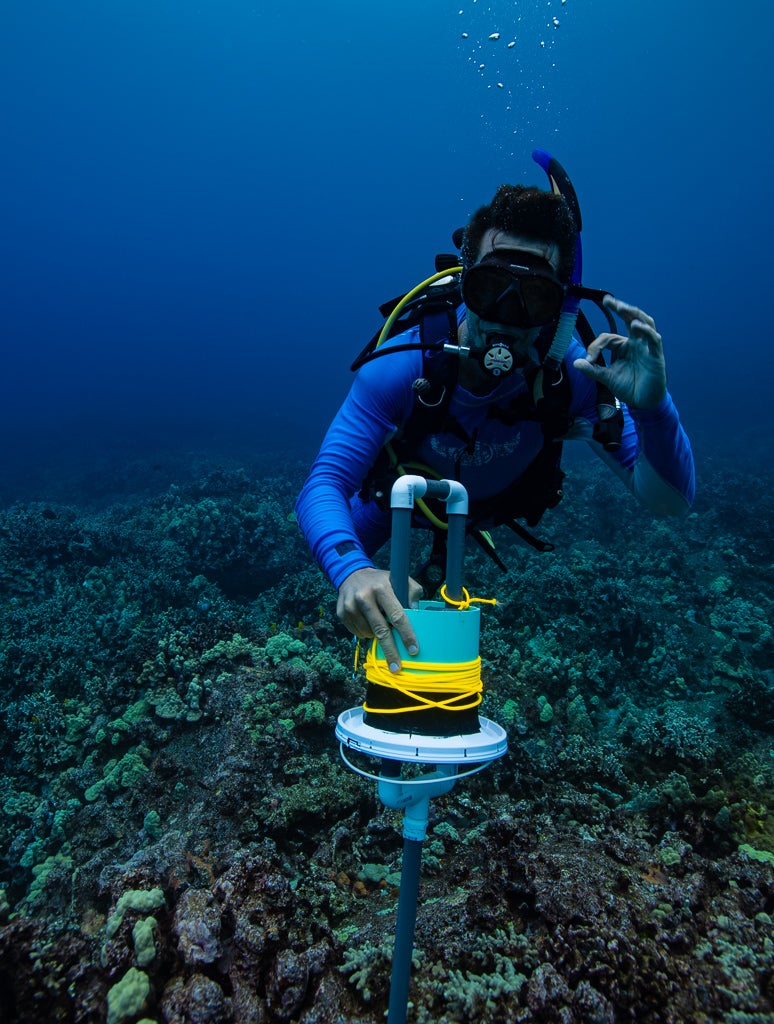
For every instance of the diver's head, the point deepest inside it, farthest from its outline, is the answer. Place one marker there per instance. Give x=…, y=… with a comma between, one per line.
x=528, y=212
x=518, y=254
x=511, y=292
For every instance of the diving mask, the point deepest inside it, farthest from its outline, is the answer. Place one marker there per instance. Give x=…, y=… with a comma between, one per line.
x=513, y=288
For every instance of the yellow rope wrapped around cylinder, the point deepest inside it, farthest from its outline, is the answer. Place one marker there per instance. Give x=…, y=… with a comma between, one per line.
x=454, y=686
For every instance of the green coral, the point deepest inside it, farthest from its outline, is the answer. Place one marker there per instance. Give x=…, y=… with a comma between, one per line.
x=22, y=804
x=125, y=773
x=765, y=856
x=445, y=830
x=152, y=825
x=669, y=856
x=475, y=995
x=170, y=706
x=42, y=872
x=546, y=711
x=509, y=712
x=721, y=585
x=134, y=715
x=78, y=719
x=578, y=719
x=378, y=873
x=328, y=667
x=238, y=648
x=280, y=647
x=144, y=943
x=62, y=818
x=310, y=713
x=263, y=709
x=127, y=998
x=142, y=900
x=366, y=966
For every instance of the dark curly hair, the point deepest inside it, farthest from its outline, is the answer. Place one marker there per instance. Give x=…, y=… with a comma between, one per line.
x=528, y=211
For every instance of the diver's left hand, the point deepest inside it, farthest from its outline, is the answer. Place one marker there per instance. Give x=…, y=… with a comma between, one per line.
x=637, y=372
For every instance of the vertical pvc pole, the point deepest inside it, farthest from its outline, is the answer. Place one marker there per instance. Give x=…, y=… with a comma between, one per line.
x=455, y=543
x=403, y=949
x=412, y=847
x=399, y=553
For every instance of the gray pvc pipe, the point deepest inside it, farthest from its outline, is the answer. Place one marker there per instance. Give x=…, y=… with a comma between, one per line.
x=455, y=544
x=399, y=554
x=403, y=949
x=404, y=491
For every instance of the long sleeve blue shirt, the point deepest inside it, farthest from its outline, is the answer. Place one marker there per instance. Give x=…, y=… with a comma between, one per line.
x=344, y=531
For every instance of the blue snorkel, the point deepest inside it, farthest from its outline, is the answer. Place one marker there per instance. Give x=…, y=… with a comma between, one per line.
x=562, y=186
x=608, y=429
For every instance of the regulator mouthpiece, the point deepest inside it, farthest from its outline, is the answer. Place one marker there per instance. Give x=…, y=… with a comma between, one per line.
x=497, y=358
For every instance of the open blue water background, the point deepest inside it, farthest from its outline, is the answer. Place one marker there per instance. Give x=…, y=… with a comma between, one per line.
x=203, y=203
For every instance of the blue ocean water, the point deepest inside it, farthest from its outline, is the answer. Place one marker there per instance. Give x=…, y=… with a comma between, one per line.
x=203, y=204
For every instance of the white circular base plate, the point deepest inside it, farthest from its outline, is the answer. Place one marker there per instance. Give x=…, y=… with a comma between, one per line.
x=489, y=743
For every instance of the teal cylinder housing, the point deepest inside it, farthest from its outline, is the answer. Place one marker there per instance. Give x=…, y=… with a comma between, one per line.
x=445, y=635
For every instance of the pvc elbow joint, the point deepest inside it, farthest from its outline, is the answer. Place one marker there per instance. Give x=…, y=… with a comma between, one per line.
x=406, y=489
x=457, y=502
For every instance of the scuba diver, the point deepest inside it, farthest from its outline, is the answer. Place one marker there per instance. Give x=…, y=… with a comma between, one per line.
x=481, y=374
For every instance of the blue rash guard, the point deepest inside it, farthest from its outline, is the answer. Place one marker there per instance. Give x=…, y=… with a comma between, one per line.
x=343, y=531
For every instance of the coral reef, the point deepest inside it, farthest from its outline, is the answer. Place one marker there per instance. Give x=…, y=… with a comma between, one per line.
x=180, y=843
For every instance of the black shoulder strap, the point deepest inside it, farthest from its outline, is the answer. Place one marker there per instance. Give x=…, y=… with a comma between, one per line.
x=432, y=397
x=550, y=396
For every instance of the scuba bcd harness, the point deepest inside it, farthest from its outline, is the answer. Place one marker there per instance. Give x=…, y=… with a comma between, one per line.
x=520, y=289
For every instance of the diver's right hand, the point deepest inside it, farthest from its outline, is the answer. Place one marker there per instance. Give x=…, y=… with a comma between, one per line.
x=368, y=607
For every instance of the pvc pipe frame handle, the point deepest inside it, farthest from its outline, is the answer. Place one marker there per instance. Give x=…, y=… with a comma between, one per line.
x=409, y=487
